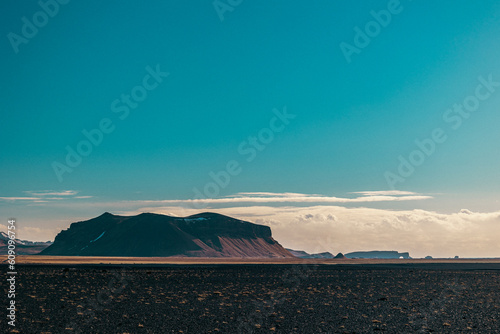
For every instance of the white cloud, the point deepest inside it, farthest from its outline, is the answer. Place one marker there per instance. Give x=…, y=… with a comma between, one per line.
x=36, y=233
x=253, y=197
x=20, y=198
x=282, y=198
x=44, y=196
x=51, y=192
x=385, y=193
x=267, y=194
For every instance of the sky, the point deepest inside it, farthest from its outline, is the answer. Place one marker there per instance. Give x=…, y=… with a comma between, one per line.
x=343, y=125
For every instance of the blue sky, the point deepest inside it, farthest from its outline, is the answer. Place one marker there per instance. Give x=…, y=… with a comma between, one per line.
x=352, y=119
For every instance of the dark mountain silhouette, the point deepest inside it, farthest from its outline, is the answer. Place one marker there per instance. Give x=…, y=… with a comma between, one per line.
x=378, y=255
x=148, y=234
x=305, y=255
x=23, y=247
x=340, y=256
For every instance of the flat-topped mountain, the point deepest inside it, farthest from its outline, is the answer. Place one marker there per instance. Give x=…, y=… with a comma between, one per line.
x=148, y=234
x=378, y=255
x=304, y=255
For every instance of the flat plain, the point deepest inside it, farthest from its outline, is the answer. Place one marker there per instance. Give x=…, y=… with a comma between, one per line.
x=44, y=259
x=305, y=297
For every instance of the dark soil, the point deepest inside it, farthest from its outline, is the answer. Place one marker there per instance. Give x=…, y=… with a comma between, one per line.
x=255, y=299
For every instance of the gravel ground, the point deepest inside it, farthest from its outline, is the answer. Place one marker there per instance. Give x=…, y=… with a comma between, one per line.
x=255, y=299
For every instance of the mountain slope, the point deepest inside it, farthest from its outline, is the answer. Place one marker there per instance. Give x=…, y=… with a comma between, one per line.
x=147, y=234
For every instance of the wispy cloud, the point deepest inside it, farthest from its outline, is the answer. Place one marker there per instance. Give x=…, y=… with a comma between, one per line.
x=268, y=194
x=51, y=192
x=19, y=198
x=45, y=196
x=247, y=198
x=263, y=197
x=385, y=193
x=244, y=197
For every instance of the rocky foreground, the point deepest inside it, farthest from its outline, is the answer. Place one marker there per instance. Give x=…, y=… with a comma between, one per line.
x=256, y=299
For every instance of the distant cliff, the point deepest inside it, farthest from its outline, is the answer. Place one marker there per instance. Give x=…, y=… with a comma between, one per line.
x=378, y=255
x=147, y=234
x=305, y=255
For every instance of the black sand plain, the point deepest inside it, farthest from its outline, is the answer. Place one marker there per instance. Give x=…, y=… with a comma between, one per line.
x=440, y=298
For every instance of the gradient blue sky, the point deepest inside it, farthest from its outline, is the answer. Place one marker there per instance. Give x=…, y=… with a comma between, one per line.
x=352, y=121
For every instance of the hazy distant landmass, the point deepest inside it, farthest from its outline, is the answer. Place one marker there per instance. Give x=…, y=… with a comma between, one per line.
x=305, y=255
x=354, y=255
x=148, y=234
x=378, y=255
x=23, y=247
